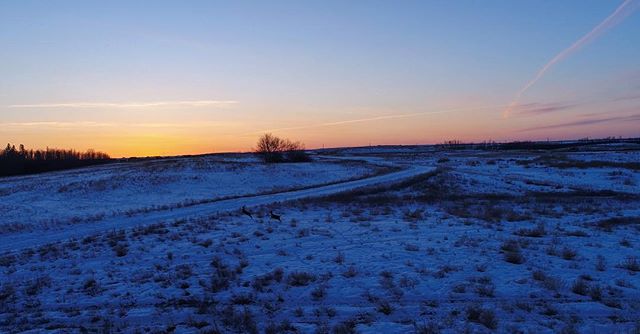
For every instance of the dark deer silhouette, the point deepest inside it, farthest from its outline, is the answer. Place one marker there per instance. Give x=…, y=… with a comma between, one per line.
x=274, y=216
x=246, y=212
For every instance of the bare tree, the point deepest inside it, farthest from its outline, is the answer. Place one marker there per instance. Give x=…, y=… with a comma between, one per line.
x=270, y=148
x=275, y=149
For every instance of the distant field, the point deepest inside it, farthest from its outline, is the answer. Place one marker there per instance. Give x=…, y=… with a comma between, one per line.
x=482, y=241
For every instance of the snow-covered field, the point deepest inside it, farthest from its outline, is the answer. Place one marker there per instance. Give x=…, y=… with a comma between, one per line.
x=456, y=241
x=47, y=201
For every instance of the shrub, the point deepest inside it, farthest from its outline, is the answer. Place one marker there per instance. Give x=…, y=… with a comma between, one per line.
x=537, y=232
x=514, y=257
x=568, y=253
x=300, y=278
x=183, y=271
x=610, y=223
x=631, y=264
x=278, y=273
x=485, y=317
x=459, y=288
x=350, y=272
x=345, y=327
x=413, y=216
x=7, y=260
x=241, y=322
x=7, y=293
x=625, y=242
x=318, y=293
x=623, y=283
x=297, y=155
x=485, y=290
x=385, y=307
x=260, y=282
x=35, y=286
x=429, y=328
x=539, y=275
x=411, y=248
x=206, y=243
x=510, y=245
x=91, y=287
x=552, y=283
x=580, y=287
x=222, y=276
x=595, y=292
x=284, y=327
x=577, y=233
x=407, y=282
x=600, y=263
x=121, y=249
x=242, y=299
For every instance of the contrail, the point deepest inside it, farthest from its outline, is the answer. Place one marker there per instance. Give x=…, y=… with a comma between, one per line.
x=195, y=103
x=625, y=9
x=370, y=119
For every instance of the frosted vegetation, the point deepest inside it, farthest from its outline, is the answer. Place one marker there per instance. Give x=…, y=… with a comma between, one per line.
x=482, y=241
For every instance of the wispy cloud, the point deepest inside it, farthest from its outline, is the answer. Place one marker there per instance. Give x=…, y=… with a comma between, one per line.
x=57, y=124
x=631, y=118
x=542, y=108
x=627, y=97
x=188, y=103
x=625, y=9
x=372, y=119
x=89, y=124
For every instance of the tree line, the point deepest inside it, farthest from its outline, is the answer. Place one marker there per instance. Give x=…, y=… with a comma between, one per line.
x=534, y=145
x=20, y=161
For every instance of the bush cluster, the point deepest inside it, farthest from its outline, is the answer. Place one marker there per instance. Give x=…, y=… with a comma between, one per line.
x=274, y=149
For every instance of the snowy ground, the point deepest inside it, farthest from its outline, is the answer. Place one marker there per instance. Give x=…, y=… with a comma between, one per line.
x=95, y=193
x=473, y=241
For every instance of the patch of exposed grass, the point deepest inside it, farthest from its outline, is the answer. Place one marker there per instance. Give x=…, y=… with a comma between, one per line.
x=300, y=278
x=485, y=317
x=610, y=223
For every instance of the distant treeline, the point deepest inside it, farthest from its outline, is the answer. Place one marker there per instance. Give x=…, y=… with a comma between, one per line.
x=19, y=161
x=535, y=145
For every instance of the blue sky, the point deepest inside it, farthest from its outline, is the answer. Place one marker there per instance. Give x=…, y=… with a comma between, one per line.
x=119, y=75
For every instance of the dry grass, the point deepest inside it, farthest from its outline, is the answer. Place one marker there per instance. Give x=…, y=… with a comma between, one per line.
x=611, y=223
x=483, y=316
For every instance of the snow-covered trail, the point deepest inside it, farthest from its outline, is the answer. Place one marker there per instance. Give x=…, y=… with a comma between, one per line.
x=16, y=242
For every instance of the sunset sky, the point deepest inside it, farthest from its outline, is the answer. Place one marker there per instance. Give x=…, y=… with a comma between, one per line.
x=136, y=78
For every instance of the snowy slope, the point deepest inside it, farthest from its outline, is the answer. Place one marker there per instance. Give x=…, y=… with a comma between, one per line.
x=94, y=193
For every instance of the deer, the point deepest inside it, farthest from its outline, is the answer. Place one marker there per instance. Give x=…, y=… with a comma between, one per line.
x=275, y=216
x=246, y=212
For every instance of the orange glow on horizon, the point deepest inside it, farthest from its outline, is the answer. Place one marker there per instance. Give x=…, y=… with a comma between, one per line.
x=235, y=132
